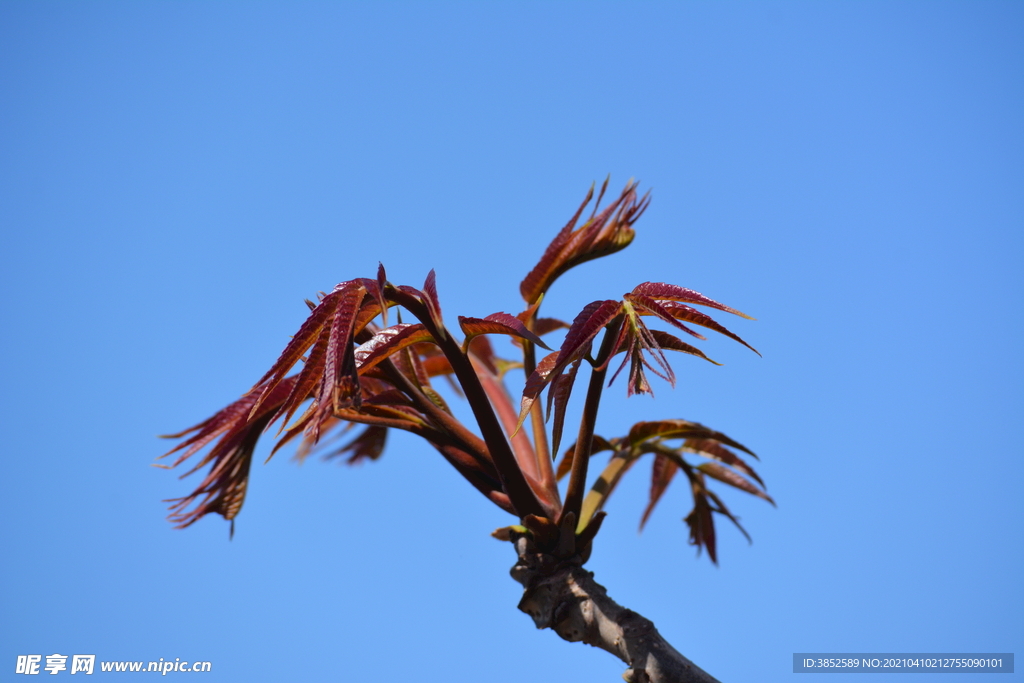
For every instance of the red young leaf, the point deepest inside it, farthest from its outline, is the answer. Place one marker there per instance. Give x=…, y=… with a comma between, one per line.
x=590, y=321
x=339, y=387
x=431, y=300
x=597, y=445
x=684, y=312
x=600, y=195
x=355, y=373
x=585, y=326
x=662, y=473
x=414, y=363
x=499, y=323
x=672, y=343
x=541, y=326
x=389, y=341
x=561, y=389
x=638, y=383
x=648, y=305
x=382, y=280
x=368, y=445
x=635, y=339
x=438, y=366
x=544, y=325
x=233, y=418
x=535, y=384
x=672, y=429
x=709, y=448
x=306, y=382
x=727, y=476
x=702, y=526
x=722, y=510
x=336, y=310
x=307, y=335
x=530, y=287
x=237, y=430
x=602, y=234
x=665, y=291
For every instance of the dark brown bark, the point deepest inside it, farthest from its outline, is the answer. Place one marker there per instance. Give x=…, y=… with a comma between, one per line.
x=564, y=597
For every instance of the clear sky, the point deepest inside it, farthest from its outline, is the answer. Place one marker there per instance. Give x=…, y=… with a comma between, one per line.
x=175, y=178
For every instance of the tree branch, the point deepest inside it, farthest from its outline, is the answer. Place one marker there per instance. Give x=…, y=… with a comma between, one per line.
x=564, y=597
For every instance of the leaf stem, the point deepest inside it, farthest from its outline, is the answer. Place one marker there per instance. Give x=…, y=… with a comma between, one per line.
x=540, y=436
x=581, y=456
x=523, y=499
x=471, y=442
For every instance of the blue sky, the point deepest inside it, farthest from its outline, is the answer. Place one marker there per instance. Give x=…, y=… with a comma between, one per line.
x=175, y=178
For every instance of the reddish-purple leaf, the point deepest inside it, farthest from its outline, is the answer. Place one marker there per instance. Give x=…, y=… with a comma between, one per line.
x=388, y=342
x=604, y=233
x=499, y=323
x=600, y=195
x=233, y=418
x=585, y=326
x=382, y=281
x=684, y=312
x=236, y=428
x=413, y=292
x=702, y=526
x=671, y=429
x=309, y=439
x=561, y=389
x=722, y=510
x=534, y=284
x=638, y=383
x=590, y=321
x=597, y=445
x=336, y=312
x=437, y=366
x=662, y=473
x=672, y=343
x=628, y=345
x=543, y=326
x=649, y=306
x=306, y=382
x=407, y=362
x=709, y=448
x=665, y=291
x=431, y=300
x=307, y=335
x=636, y=339
x=650, y=344
x=340, y=385
x=539, y=326
x=368, y=445
x=727, y=476
x=535, y=384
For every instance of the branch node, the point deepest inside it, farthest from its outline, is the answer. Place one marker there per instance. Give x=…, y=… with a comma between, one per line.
x=562, y=596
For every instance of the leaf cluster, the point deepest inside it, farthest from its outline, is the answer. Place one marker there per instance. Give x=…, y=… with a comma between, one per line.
x=348, y=366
